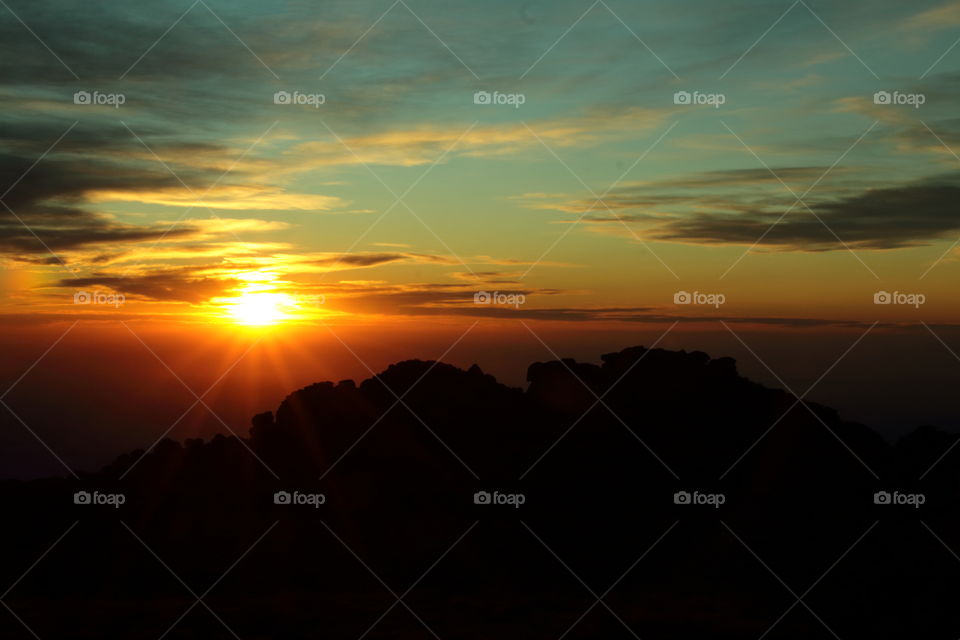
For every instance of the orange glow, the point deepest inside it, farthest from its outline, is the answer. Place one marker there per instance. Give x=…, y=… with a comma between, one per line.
x=261, y=302
x=260, y=309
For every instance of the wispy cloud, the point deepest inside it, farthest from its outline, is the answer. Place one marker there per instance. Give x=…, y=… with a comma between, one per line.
x=727, y=208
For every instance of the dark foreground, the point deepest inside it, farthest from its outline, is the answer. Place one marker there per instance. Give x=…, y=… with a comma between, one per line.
x=659, y=495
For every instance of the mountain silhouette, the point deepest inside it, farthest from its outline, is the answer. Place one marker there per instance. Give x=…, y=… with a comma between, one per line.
x=656, y=494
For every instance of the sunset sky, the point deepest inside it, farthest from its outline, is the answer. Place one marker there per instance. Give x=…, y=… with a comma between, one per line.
x=194, y=204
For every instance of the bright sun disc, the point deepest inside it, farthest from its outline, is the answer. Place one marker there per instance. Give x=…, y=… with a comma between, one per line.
x=259, y=309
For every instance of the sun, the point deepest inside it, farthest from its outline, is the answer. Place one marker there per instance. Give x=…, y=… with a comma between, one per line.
x=263, y=299
x=259, y=308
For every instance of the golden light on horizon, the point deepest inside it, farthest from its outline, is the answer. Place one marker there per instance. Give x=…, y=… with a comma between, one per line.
x=258, y=303
x=264, y=300
x=260, y=308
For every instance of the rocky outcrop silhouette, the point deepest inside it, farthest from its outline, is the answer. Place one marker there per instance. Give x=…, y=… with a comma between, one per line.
x=602, y=455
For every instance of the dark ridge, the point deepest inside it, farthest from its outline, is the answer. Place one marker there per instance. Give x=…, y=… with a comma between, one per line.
x=598, y=452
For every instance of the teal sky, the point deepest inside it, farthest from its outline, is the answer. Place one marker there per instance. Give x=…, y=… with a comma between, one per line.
x=693, y=197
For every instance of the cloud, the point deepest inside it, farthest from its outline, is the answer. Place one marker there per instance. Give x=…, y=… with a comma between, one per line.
x=725, y=208
x=946, y=16
x=885, y=114
x=490, y=277
x=169, y=286
x=310, y=262
x=146, y=276
x=425, y=144
x=59, y=196
x=230, y=197
x=376, y=259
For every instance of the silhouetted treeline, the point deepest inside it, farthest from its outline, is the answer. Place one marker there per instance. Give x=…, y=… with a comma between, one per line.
x=598, y=456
